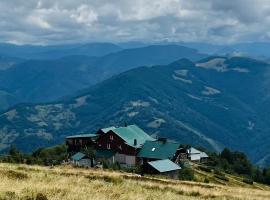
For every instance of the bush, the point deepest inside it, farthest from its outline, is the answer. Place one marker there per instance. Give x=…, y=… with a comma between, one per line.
x=222, y=177
x=248, y=181
x=115, y=166
x=218, y=172
x=186, y=174
x=8, y=196
x=16, y=175
x=206, y=180
x=206, y=169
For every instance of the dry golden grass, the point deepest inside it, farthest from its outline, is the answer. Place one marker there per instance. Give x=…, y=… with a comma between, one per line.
x=41, y=183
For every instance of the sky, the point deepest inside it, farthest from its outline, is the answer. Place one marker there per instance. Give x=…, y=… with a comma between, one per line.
x=80, y=21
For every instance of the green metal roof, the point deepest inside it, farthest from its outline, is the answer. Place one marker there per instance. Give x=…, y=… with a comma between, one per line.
x=105, y=130
x=132, y=132
x=158, y=149
x=104, y=153
x=78, y=156
x=82, y=136
x=164, y=165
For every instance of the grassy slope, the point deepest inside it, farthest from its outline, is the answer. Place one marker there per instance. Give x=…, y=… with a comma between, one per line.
x=29, y=182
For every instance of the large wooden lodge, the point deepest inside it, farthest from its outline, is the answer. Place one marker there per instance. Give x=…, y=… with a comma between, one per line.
x=130, y=146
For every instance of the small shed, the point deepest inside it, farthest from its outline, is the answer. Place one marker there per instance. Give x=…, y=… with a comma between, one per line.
x=197, y=156
x=204, y=157
x=81, y=160
x=164, y=167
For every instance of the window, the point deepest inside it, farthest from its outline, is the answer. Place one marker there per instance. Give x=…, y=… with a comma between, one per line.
x=108, y=146
x=111, y=137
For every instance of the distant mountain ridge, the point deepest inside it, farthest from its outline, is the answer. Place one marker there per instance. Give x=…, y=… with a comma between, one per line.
x=48, y=80
x=57, y=51
x=215, y=102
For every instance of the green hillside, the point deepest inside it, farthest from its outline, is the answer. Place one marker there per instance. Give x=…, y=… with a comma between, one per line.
x=215, y=103
x=44, y=80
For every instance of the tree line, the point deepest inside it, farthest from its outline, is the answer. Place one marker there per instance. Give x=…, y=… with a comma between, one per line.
x=235, y=162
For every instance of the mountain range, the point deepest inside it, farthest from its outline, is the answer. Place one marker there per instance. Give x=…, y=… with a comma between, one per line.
x=58, y=51
x=214, y=102
x=39, y=80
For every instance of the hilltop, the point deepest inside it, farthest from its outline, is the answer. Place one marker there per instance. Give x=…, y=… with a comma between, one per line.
x=65, y=182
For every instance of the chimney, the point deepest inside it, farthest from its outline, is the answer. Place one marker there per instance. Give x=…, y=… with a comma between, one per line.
x=135, y=142
x=126, y=124
x=162, y=139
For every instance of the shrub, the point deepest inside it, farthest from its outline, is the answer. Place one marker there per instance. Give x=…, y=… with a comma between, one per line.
x=206, y=169
x=194, y=194
x=222, y=177
x=206, y=180
x=8, y=196
x=115, y=166
x=218, y=172
x=16, y=175
x=248, y=181
x=186, y=174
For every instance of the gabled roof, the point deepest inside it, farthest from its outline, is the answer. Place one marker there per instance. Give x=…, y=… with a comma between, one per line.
x=164, y=165
x=82, y=136
x=192, y=150
x=204, y=155
x=158, y=149
x=105, y=130
x=78, y=156
x=132, y=132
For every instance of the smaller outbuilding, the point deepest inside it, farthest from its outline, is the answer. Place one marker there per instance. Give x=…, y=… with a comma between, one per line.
x=81, y=160
x=163, y=167
x=204, y=157
x=162, y=149
x=197, y=156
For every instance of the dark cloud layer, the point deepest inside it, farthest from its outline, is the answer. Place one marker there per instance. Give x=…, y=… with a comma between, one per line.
x=69, y=21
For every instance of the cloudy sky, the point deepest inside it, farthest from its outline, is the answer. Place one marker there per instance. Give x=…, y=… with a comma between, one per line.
x=72, y=21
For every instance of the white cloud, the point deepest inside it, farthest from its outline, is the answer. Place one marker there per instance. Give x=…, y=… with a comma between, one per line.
x=68, y=21
x=38, y=21
x=85, y=15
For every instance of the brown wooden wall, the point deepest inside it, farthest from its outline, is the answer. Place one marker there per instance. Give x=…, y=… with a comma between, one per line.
x=111, y=141
x=77, y=144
